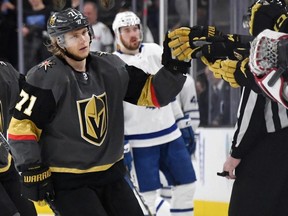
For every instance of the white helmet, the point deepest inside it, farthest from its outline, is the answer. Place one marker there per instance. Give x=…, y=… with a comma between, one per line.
x=126, y=18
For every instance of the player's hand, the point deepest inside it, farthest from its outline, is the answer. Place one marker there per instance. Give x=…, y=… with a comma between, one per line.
x=227, y=71
x=36, y=183
x=171, y=63
x=271, y=16
x=185, y=126
x=225, y=46
x=236, y=73
x=184, y=40
x=230, y=166
x=213, y=66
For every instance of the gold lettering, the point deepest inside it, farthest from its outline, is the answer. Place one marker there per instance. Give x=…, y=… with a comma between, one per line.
x=37, y=178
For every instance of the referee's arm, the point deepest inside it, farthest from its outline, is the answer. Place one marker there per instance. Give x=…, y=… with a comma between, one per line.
x=250, y=124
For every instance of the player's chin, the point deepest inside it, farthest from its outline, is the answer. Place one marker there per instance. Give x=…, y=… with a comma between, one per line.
x=81, y=56
x=134, y=46
x=84, y=53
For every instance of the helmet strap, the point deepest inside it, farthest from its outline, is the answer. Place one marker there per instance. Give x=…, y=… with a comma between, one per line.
x=71, y=56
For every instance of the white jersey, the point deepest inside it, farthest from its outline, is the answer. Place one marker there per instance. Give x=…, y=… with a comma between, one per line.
x=146, y=126
x=103, y=39
x=187, y=99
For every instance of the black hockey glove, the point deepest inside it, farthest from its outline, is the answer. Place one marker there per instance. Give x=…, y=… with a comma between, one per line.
x=186, y=42
x=271, y=16
x=36, y=184
x=226, y=46
x=173, y=64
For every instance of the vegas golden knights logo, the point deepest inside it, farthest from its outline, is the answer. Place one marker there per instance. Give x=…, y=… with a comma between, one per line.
x=93, y=117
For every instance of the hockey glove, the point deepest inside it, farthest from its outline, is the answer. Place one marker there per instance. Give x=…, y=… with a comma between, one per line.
x=244, y=77
x=227, y=70
x=127, y=156
x=271, y=16
x=222, y=47
x=185, y=126
x=173, y=64
x=213, y=66
x=236, y=73
x=36, y=184
x=186, y=42
x=224, y=69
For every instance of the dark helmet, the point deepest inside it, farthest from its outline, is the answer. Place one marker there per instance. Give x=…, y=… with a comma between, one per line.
x=64, y=21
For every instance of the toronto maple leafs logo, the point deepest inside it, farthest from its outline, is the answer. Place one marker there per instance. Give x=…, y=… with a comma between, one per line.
x=46, y=64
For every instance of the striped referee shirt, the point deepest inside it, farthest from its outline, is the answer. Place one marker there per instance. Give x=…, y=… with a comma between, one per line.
x=257, y=116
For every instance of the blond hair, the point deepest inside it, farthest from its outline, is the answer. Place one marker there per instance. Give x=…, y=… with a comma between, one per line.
x=54, y=48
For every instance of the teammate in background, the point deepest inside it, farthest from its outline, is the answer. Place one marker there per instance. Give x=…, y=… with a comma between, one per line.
x=155, y=140
x=103, y=38
x=11, y=201
x=66, y=134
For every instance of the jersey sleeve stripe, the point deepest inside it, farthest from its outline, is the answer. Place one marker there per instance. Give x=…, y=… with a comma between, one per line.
x=148, y=97
x=23, y=130
x=153, y=97
x=21, y=137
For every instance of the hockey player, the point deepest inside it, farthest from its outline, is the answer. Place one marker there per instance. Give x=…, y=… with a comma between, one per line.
x=152, y=133
x=258, y=146
x=261, y=15
x=11, y=202
x=66, y=134
x=187, y=99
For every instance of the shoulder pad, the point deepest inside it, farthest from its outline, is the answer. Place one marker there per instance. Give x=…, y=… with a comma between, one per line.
x=47, y=65
x=46, y=73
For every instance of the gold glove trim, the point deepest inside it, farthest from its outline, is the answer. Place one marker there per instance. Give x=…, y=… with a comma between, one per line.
x=254, y=9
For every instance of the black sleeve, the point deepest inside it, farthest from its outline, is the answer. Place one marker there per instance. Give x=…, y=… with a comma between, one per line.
x=153, y=90
x=250, y=123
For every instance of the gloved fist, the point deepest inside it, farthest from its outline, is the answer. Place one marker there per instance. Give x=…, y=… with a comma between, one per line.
x=170, y=63
x=227, y=70
x=236, y=73
x=271, y=16
x=213, y=66
x=224, y=69
x=185, y=126
x=127, y=156
x=244, y=77
x=36, y=183
x=184, y=40
x=222, y=47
